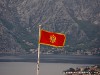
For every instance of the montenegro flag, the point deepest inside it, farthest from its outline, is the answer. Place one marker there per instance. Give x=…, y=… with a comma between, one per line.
x=52, y=39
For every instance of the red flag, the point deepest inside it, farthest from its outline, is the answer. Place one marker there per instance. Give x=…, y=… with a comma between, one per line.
x=52, y=39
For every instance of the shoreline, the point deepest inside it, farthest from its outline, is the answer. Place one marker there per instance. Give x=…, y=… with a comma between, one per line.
x=53, y=59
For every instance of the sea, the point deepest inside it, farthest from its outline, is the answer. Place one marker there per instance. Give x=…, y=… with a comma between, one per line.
x=49, y=67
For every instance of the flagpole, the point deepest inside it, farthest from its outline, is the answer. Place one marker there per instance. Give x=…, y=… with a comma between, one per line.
x=38, y=60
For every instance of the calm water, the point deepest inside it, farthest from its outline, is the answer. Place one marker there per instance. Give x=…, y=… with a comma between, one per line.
x=50, y=64
x=29, y=68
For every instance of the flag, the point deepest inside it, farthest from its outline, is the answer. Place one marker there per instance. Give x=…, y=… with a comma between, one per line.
x=52, y=39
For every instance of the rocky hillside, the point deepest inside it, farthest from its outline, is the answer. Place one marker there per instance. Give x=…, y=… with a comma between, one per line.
x=79, y=20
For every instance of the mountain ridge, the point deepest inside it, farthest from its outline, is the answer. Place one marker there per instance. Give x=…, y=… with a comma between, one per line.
x=79, y=20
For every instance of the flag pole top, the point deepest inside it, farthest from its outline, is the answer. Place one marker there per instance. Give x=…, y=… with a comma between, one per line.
x=39, y=25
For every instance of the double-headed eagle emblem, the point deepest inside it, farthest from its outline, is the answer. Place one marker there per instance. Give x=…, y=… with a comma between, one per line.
x=52, y=39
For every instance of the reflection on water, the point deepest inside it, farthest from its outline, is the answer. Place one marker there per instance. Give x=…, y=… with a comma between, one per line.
x=29, y=68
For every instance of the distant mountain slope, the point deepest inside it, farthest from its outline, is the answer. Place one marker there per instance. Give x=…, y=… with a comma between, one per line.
x=79, y=20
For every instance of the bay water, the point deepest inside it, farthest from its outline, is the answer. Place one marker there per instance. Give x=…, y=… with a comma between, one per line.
x=29, y=68
x=49, y=64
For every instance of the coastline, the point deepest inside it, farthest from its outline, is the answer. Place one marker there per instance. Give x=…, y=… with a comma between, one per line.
x=44, y=58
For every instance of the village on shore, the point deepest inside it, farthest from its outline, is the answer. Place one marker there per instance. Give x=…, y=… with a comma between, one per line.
x=87, y=70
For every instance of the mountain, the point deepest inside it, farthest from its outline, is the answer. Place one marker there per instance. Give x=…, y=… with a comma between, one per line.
x=79, y=20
